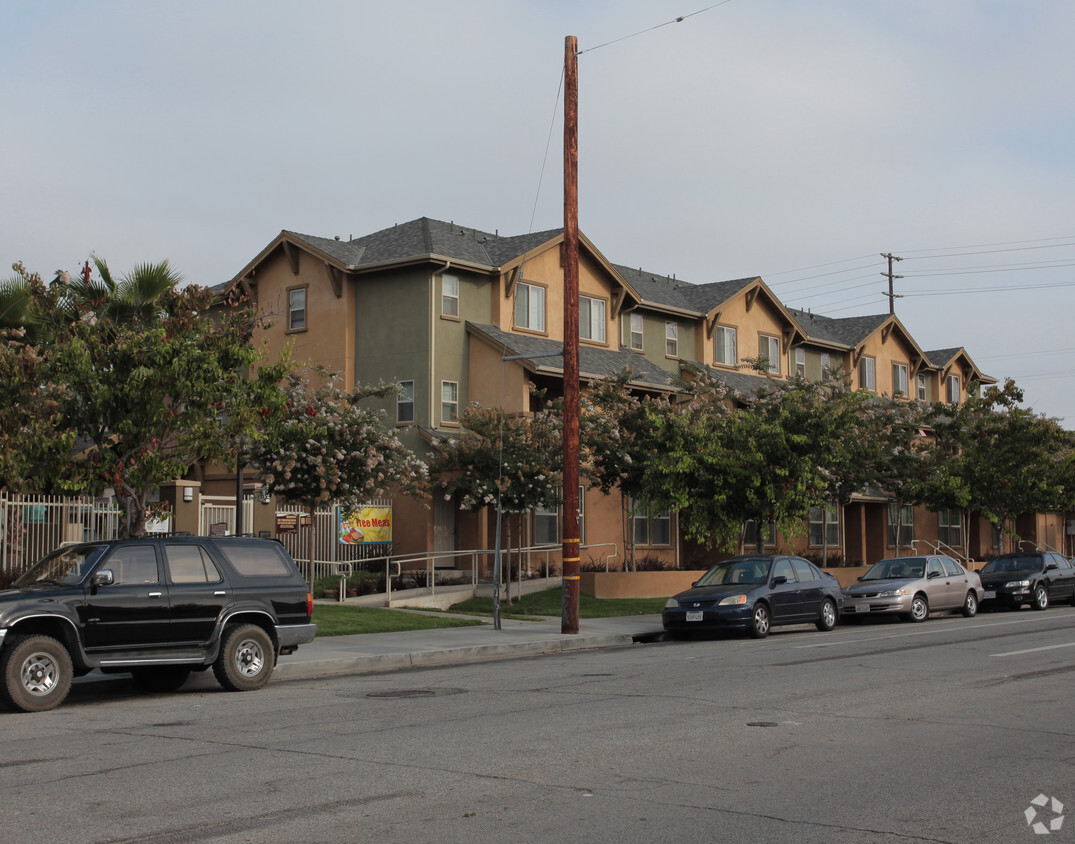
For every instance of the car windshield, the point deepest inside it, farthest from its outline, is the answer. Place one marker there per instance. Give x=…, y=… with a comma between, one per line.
x=1020, y=562
x=749, y=572
x=64, y=566
x=897, y=569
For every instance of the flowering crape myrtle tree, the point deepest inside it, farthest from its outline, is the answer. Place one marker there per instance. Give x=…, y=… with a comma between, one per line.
x=511, y=461
x=327, y=447
x=137, y=372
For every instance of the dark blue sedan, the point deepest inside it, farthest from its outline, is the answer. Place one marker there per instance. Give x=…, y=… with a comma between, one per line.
x=753, y=593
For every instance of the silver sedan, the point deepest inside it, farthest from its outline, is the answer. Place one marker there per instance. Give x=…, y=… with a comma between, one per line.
x=914, y=587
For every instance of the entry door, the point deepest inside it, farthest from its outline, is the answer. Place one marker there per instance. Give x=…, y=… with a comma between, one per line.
x=443, y=530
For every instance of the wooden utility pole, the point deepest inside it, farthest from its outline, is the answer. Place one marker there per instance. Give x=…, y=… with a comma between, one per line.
x=892, y=297
x=569, y=622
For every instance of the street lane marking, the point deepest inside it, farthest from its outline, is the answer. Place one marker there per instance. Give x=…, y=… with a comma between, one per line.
x=943, y=627
x=1035, y=650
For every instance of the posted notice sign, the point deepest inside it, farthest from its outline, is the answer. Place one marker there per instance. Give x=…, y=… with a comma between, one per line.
x=366, y=526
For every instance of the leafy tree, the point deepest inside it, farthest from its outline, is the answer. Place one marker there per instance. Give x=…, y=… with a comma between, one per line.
x=329, y=447
x=139, y=374
x=513, y=462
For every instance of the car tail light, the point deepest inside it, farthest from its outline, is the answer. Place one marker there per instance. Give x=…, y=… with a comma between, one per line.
x=309, y=604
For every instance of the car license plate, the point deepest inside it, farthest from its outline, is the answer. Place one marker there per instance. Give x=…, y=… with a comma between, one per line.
x=990, y=594
x=862, y=608
x=694, y=615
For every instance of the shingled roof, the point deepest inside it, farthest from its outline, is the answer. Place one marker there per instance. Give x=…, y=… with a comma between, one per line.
x=544, y=354
x=849, y=331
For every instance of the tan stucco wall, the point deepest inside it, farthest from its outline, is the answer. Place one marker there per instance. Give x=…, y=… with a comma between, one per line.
x=641, y=584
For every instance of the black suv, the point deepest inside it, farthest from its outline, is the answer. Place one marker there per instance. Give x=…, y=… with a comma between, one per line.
x=157, y=607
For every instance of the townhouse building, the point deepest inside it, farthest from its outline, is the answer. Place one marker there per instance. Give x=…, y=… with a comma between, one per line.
x=454, y=316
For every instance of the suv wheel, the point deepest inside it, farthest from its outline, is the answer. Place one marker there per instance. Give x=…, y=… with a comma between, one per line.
x=36, y=673
x=246, y=658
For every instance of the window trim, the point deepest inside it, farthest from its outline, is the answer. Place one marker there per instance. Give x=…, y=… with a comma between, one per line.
x=826, y=366
x=671, y=343
x=529, y=285
x=903, y=368
x=402, y=401
x=829, y=521
x=774, y=360
x=868, y=373
x=726, y=332
x=953, y=388
x=920, y=386
x=603, y=323
x=907, y=524
x=640, y=332
x=800, y=362
x=446, y=297
x=444, y=403
x=638, y=516
x=291, y=310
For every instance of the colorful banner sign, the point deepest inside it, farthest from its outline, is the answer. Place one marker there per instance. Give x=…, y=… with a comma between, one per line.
x=366, y=526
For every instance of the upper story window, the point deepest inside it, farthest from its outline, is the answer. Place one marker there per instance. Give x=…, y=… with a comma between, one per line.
x=449, y=401
x=529, y=306
x=449, y=296
x=724, y=345
x=826, y=366
x=296, y=309
x=921, y=379
x=899, y=380
x=800, y=362
x=671, y=339
x=769, y=348
x=868, y=374
x=592, y=319
x=952, y=392
x=405, y=402
x=636, y=332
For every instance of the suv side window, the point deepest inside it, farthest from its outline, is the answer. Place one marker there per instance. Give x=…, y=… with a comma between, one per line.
x=190, y=564
x=133, y=565
x=257, y=559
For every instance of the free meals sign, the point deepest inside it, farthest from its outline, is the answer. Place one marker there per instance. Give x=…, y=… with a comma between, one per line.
x=366, y=526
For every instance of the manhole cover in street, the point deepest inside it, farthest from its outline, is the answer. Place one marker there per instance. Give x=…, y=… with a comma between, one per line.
x=762, y=724
x=414, y=692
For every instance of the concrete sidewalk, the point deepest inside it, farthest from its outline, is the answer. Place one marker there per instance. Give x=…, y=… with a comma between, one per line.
x=370, y=652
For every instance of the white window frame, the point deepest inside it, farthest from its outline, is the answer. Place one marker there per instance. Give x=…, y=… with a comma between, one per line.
x=449, y=402
x=636, y=334
x=950, y=527
x=800, y=362
x=900, y=384
x=592, y=319
x=921, y=386
x=296, y=312
x=826, y=366
x=645, y=523
x=952, y=389
x=825, y=526
x=868, y=374
x=671, y=339
x=770, y=352
x=906, y=526
x=554, y=513
x=530, y=304
x=405, y=402
x=449, y=296
x=725, y=349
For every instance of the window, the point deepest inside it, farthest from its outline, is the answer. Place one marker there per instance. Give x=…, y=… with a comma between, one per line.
x=805, y=571
x=921, y=379
x=769, y=348
x=750, y=534
x=257, y=559
x=724, y=343
x=899, y=379
x=405, y=402
x=824, y=527
x=671, y=339
x=190, y=564
x=800, y=362
x=953, y=389
x=592, y=319
x=868, y=374
x=906, y=526
x=951, y=567
x=449, y=401
x=296, y=309
x=133, y=565
x=449, y=296
x=636, y=332
x=783, y=569
x=950, y=527
x=650, y=527
x=547, y=522
x=529, y=306
x=826, y=367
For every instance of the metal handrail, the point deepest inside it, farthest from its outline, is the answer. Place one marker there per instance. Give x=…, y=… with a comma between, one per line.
x=939, y=547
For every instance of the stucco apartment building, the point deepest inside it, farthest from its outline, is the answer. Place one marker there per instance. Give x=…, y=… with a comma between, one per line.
x=454, y=315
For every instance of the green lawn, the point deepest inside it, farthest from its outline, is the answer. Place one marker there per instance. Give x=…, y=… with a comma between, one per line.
x=550, y=602
x=343, y=620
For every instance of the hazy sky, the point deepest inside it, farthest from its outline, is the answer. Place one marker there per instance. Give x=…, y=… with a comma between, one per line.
x=792, y=139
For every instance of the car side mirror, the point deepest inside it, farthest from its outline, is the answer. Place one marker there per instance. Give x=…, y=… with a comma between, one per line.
x=1051, y=567
x=694, y=584
x=932, y=575
x=103, y=577
x=778, y=580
